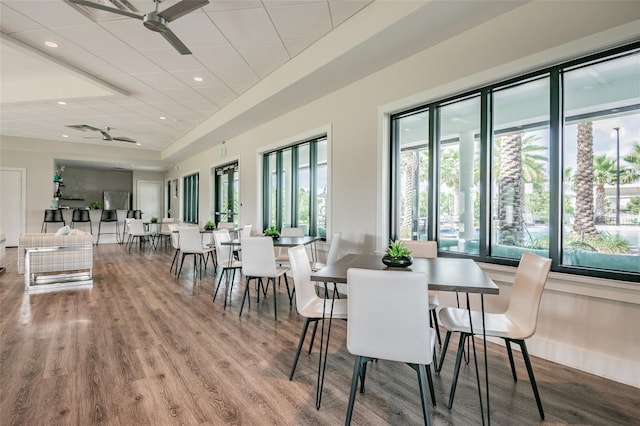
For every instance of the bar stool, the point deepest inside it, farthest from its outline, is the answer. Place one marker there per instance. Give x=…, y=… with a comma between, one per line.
x=81, y=216
x=52, y=216
x=108, y=216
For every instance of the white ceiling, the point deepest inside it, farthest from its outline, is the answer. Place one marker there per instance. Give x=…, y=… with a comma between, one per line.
x=111, y=71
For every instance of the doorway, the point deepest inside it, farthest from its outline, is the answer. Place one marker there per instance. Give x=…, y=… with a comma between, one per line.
x=149, y=199
x=227, y=183
x=13, y=192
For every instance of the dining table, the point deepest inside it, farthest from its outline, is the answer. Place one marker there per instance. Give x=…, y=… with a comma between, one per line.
x=286, y=242
x=460, y=275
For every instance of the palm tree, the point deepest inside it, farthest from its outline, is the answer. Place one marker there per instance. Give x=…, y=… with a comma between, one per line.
x=450, y=176
x=584, y=224
x=634, y=160
x=519, y=162
x=511, y=187
x=604, y=173
x=407, y=167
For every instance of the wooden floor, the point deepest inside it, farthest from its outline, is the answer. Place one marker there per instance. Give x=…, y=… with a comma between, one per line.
x=142, y=348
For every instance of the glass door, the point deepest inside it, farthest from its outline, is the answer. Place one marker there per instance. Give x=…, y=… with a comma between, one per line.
x=226, y=195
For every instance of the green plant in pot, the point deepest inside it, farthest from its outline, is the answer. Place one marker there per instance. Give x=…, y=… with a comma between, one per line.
x=209, y=226
x=154, y=219
x=272, y=232
x=96, y=205
x=397, y=255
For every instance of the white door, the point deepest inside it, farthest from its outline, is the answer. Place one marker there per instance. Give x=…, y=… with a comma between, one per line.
x=12, y=203
x=149, y=199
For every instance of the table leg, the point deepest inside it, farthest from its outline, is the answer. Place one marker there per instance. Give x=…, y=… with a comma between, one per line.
x=324, y=348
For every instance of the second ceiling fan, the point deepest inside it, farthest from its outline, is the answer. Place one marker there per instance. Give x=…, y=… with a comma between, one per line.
x=156, y=20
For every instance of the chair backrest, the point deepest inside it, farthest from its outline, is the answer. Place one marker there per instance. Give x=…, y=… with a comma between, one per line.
x=226, y=225
x=524, y=302
x=53, y=215
x=258, y=259
x=109, y=216
x=136, y=227
x=246, y=230
x=164, y=227
x=334, y=248
x=135, y=214
x=168, y=220
x=387, y=315
x=175, y=236
x=80, y=215
x=190, y=239
x=423, y=249
x=301, y=270
x=292, y=232
x=223, y=252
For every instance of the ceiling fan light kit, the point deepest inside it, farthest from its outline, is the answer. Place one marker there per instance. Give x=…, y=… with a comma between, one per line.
x=156, y=20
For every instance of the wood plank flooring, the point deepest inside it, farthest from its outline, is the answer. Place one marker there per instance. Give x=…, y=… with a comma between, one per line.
x=143, y=348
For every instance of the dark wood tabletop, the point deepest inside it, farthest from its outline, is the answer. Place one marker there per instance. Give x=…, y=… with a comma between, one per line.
x=443, y=273
x=282, y=241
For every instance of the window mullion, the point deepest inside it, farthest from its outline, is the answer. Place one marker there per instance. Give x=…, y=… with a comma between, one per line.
x=313, y=188
x=486, y=131
x=555, y=165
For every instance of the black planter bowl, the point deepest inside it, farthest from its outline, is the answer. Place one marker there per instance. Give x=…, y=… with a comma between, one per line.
x=397, y=262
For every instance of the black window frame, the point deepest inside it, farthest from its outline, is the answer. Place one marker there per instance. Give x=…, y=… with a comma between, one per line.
x=191, y=199
x=556, y=126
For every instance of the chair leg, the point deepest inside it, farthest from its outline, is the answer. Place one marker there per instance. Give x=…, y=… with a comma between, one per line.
x=443, y=351
x=215, y=294
x=456, y=369
x=246, y=291
x=181, y=263
x=532, y=379
x=507, y=343
x=289, y=293
x=363, y=376
x=313, y=336
x=175, y=256
x=430, y=381
x=275, y=301
x=303, y=334
x=354, y=387
x=423, y=396
x=434, y=315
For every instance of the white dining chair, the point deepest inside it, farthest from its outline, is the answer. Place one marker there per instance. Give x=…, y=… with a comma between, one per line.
x=191, y=244
x=165, y=233
x=226, y=261
x=308, y=304
x=332, y=256
x=428, y=250
x=281, y=253
x=400, y=334
x=137, y=232
x=246, y=231
x=258, y=261
x=515, y=325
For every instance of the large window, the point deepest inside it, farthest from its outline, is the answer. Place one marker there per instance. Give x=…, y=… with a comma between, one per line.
x=191, y=202
x=548, y=163
x=295, y=187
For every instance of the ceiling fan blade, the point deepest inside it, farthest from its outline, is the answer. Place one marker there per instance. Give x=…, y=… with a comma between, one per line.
x=182, y=8
x=123, y=139
x=84, y=127
x=105, y=135
x=107, y=8
x=175, y=42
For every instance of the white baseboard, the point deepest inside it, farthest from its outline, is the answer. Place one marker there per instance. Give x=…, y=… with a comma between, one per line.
x=618, y=370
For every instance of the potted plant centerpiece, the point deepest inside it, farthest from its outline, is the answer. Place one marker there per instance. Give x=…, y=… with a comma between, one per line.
x=272, y=232
x=154, y=219
x=209, y=226
x=397, y=255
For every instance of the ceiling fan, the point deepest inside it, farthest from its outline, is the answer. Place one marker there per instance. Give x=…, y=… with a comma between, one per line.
x=106, y=133
x=155, y=20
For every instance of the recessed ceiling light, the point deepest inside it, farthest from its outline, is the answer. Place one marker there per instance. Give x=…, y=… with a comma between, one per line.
x=138, y=143
x=62, y=103
x=51, y=44
x=198, y=79
x=65, y=136
x=163, y=118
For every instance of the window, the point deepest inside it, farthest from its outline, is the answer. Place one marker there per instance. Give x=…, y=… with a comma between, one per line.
x=226, y=184
x=295, y=187
x=548, y=162
x=520, y=172
x=191, y=198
